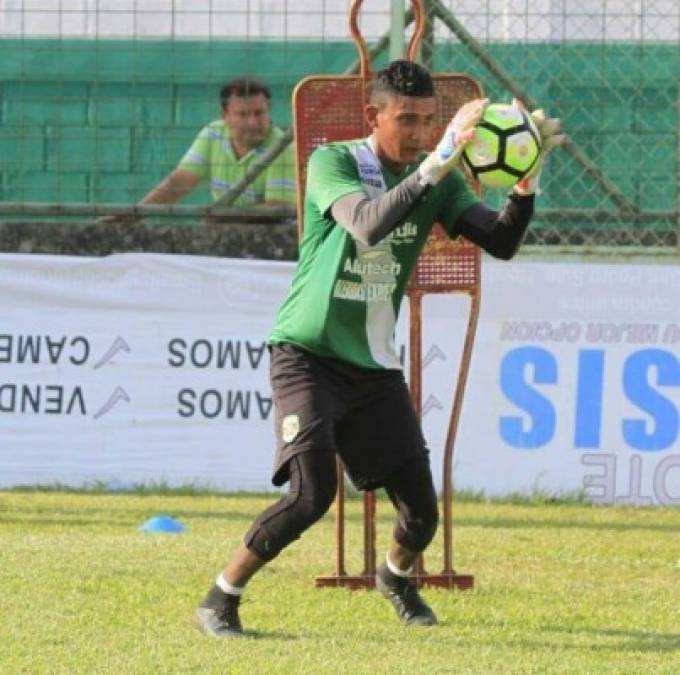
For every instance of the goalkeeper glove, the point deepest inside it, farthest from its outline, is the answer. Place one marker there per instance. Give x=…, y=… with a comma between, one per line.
x=460, y=130
x=550, y=131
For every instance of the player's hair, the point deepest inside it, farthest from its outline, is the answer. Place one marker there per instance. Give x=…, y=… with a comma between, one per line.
x=401, y=78
x=243, y=86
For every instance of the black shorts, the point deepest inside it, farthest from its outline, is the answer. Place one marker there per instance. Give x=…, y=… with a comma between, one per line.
x=364, y=415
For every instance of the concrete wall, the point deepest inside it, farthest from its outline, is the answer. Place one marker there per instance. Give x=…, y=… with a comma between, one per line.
x=84, y=120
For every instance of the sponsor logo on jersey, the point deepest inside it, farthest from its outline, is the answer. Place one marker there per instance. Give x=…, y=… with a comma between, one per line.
x=363, y=292
x=290, y=428
x=404, y=234
x=369, y=170
x=370, y=268
x=375, y=182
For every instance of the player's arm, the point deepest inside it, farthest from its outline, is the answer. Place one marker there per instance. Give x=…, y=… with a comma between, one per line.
x=371, y=220
x=335, y=188
x=499, y=233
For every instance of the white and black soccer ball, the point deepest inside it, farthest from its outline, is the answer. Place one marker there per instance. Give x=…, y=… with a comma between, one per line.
x=505, y=148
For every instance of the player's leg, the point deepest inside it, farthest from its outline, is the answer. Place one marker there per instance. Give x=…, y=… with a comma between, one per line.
x=307, y=404
x=412, y=492
x=382, y=444
x=313, y=484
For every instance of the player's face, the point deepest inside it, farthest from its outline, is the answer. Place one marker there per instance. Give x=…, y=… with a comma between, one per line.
x=248, y=119
x=402, y=128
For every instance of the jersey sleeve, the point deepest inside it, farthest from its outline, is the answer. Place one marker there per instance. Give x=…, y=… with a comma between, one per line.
x=458, y=197
x=197, y=157
x=280, y=183
x=331, y=173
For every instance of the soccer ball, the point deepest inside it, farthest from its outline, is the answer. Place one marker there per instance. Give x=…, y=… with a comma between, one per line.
x=505, y=147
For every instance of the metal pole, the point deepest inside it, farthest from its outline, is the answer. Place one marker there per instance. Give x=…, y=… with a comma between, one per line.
x=669, y=219
x=397, y=26
x=427, y=48
x=238, y=214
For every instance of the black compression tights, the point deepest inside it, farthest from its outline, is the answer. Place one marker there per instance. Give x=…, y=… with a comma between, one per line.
x=312, y=488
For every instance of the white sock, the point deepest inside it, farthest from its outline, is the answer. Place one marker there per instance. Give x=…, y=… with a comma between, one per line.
x=227, y=587
x=394, y=569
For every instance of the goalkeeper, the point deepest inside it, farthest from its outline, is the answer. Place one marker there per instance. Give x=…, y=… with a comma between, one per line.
x=337, y=382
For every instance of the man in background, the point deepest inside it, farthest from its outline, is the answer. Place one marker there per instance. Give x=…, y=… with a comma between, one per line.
x=226, y=148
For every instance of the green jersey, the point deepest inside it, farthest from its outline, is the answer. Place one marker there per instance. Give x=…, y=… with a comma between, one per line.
x=212, y=157
x=346, y=295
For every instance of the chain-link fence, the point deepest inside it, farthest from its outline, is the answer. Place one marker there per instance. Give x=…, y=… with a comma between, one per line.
x=610, y=71
x=102, y=98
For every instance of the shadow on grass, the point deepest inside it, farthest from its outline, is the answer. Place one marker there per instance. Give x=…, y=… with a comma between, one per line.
x=269, y=635
x=248, y=634
x=112, y=517
x=126, y=518
x=64, y=522
x=623, y=639
x=634, y=646
x=637, y=640
x=384, y=516
x=511, y=523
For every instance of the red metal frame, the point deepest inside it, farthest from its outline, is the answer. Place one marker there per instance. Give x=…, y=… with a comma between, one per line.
x=331, y=108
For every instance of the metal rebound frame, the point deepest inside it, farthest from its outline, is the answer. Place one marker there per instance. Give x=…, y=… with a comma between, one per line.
x=329, y=108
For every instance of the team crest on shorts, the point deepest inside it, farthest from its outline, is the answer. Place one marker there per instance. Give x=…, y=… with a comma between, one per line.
x=290, y=428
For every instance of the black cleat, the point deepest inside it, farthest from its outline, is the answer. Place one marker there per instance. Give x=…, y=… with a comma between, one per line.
x=217, y=615
x=404, y=596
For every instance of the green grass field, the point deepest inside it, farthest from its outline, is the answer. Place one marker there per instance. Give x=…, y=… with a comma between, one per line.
x=565, y=588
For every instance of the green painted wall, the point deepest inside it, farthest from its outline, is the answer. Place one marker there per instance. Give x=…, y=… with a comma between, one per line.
x=105, y=120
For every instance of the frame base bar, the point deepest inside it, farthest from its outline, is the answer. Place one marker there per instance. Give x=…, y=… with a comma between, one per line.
x=449, y=580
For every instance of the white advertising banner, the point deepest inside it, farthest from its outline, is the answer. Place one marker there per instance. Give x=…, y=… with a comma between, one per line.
x=574, y=384
x=136, y=368
x=143, y=368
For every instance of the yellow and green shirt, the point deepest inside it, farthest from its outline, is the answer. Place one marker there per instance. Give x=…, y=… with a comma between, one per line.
x=212, y=157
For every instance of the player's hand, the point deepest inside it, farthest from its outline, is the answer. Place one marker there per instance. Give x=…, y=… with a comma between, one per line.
x=459, y=132
x=550, y=130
